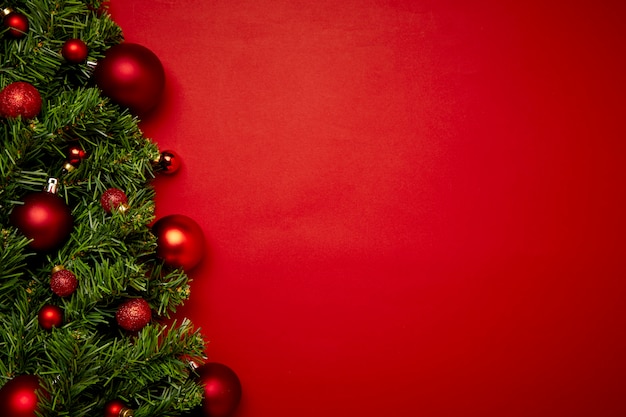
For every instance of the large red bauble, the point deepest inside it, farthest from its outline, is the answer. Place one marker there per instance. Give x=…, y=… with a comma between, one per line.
x=180, y=241
x=17, y=25
x=116, y=408
x=20, y=99
x=45, y=218
x=222, y=390
x=132, y=76
x=134, y=314
x=18, y=397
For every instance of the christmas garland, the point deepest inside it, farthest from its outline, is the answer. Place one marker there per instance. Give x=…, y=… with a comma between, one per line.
x=88, y=278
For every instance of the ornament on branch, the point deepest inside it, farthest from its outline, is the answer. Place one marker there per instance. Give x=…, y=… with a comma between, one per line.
x=116, y=408
x=180, y=241
x=15, y=23
x=50, y=316
x=44, y=217
x=75, y=155
x=20, y=99
x=112, y=199
x=63, y=282
x=134, y=314
x=18, y=397
x=74, y=51
x=222, y=390
x=168, y=163
x=131, y=75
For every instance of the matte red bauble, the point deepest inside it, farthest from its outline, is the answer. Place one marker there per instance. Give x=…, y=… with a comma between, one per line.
x=132, y=76
x=20, y=99
x=18, y=397
x=74, y=51
x=17, y=25
x=62, y=281
x=114, y=198
x=180, y=241
x=116, y=408
x=134, y=314
x=45, y=218
x=50, y=316
x=222, y=390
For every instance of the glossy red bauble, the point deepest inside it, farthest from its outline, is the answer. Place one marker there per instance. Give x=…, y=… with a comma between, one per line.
x=18, y=397
x=134, y=314
x=50, y=316
x=169, y=162
x=20, y=99
x=74, y=51
x=222, y=390
x=17, y=25
x=116, y=408
x=180, y=241
x=132, y=76
x=45, y=218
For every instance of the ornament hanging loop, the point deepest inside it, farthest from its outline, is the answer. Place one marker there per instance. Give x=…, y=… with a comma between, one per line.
x=53, y=186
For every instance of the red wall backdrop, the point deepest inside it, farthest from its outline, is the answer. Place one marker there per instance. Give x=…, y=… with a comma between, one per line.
x=411, y=207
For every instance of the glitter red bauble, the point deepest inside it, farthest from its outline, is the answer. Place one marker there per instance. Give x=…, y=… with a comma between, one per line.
x=50, y=316
x=20, y=99
x=45, y=218
x=180, y=241
x=116, y=408
x=74, y=51
x=222, y=390
x=132, y=76
x=113, y=198
x=63, y=282
x=134, y=314
x=169, y=162
x=18, y=397
x=17, y=25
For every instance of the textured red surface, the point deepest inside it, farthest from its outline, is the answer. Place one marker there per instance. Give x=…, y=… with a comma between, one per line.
x=411, y=207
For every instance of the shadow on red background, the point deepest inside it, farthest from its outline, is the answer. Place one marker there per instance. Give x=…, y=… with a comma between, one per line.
x=411, y=207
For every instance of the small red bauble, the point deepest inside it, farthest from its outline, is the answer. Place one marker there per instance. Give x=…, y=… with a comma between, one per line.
x=62, y=281
x=20, y=99
x=169, y=162
x=74, y=51
x=180, y=241
x=114, y=198
x=116, y=408
x=17, y=25
x=75, y=156
x=134, y=314
x=50, y=316
x=45, y=218
x=18, y=397
x=132, y=76
x=222, y=390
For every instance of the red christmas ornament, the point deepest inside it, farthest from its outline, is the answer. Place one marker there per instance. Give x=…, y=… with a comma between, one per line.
x=132, y=76
x=116, y=408
x=50, y=316
x=74, y=51
x=75, y=156
x=45, y=218
x=20, y=99
x=114, y=198
x=134, y=314
x=180, y=241
x=222, y=390
x=62, y=281
x=18, y=397
x=168, y=163
x=16, y=23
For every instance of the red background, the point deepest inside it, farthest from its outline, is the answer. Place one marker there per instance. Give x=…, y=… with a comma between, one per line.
x=411, y=207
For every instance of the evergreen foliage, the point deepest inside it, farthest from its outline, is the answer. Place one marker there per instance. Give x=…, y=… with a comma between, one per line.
x=89, y=360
